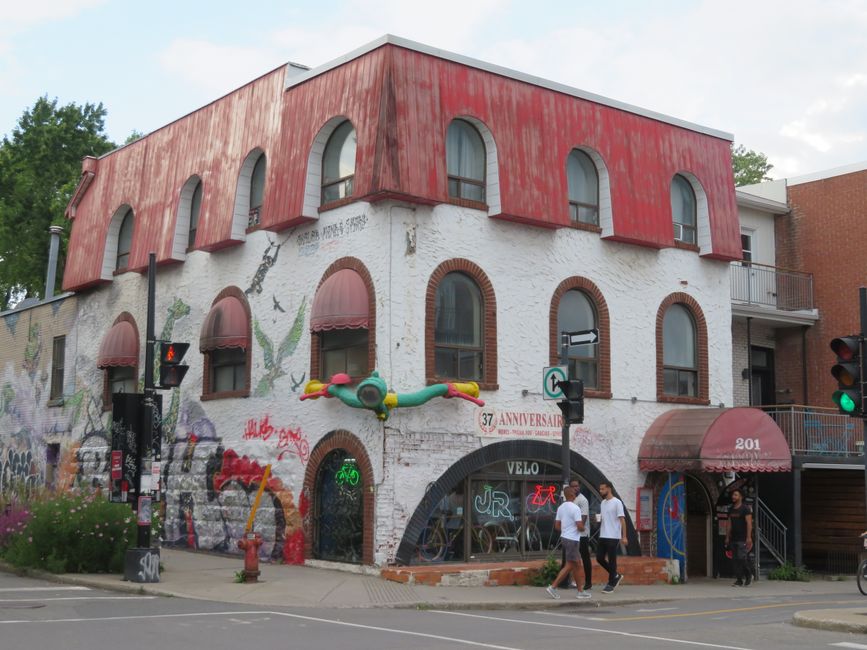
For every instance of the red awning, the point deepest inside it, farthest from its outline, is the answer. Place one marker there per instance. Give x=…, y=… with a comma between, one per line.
x=341, y=303
x=715, y=440
x=119, y=346
x=226, y=326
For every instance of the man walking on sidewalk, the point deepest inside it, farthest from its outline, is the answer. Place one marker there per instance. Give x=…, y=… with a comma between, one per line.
x=584, y=544
x=568, y=522
x=612, y=533
x=739, y=538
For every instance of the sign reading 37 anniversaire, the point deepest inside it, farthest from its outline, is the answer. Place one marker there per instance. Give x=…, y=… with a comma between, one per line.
x=497, y=423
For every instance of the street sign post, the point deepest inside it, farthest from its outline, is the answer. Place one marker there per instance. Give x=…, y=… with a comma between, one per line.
x=551, y=378
x=584, y=337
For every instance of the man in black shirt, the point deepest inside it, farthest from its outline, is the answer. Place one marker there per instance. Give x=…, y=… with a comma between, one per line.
x=739, y=538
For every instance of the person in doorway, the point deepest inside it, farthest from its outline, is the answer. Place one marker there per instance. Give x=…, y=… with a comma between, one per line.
x=568, y=522
x=739, y=538
x=612, y=533
x=584, y=544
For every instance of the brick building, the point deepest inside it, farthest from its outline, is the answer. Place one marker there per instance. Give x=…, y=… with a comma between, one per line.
x=438, y=220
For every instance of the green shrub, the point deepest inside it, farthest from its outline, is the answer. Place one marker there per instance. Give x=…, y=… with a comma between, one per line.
x=790, y=572
x=74, y=534
x=547, y=572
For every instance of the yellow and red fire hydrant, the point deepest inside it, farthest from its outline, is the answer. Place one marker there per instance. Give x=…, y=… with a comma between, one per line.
x=250, y=545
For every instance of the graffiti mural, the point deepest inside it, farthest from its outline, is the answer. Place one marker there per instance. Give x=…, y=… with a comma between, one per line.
x=273, y=359
x=285, y=439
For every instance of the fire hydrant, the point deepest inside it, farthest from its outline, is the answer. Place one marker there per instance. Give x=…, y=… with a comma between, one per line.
x=250, y=544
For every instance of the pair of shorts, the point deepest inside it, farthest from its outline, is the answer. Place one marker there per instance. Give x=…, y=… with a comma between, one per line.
x=572, y=549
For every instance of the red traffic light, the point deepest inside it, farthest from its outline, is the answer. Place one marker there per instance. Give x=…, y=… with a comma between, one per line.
x=172, y=353
x=846, y=347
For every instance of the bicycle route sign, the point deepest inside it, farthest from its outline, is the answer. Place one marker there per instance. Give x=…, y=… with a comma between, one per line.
x=551, y=376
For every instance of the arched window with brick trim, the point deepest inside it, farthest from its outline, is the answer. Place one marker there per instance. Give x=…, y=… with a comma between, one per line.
x=343, y=321
x=461, y=325
x=577, y=304
x=225, y=345
x=681, y=351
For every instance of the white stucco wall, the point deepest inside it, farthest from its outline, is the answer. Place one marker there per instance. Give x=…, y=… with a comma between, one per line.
x=415, y=446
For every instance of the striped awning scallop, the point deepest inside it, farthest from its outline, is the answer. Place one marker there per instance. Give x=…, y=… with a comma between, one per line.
x=119, y=346
x=226, y=326
x=715, y=440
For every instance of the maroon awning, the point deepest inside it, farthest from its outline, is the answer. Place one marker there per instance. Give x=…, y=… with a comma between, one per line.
x=226, y=326
x=715, y=440
x=340, y=303
x=119, y=346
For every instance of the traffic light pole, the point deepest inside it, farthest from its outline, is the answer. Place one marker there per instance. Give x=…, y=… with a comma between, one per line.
x=145, y=441
x=862, y=300
x=564, y=431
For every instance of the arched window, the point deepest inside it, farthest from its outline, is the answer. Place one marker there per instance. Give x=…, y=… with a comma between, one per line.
x=338, y=163
x=124, y=241
x=225, y=343
x=459, y=328
x=576, y=313
x=583, y=182
x=683, y=210
x=680, y=354
x=257, y=191
x=465, y=161
x=195, y=208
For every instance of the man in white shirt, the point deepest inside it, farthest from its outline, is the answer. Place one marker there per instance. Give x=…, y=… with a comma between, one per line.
x=568, y=522
x=612, y=533
x=584, y=544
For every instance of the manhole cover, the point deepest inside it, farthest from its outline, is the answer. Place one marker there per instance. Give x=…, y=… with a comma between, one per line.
x=23, y=606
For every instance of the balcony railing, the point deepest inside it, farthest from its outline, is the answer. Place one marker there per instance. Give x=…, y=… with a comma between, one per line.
x=813, y=431
x=760, y=284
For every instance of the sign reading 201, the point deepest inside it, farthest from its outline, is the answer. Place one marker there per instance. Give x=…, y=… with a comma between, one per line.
x=747, y=444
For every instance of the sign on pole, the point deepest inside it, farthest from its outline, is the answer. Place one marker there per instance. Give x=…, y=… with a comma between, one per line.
x=584, y=337
x=551, y=378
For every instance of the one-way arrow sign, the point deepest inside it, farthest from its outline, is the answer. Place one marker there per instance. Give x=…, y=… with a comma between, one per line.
x=583, y=337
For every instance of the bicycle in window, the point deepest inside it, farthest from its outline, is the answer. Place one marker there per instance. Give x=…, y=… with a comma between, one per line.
x=437, y=540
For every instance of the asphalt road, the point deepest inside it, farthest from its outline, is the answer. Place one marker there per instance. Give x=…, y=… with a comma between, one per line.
x=36, y=615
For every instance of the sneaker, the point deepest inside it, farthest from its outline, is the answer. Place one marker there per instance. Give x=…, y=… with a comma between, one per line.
x=607, y=589
x=617, y=580
x=582, y=595
x=552, y=592
x=572, y=584
x=748, y=581
x=738, y=583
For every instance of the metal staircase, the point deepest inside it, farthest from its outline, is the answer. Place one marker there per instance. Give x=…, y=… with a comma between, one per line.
x=771, y=535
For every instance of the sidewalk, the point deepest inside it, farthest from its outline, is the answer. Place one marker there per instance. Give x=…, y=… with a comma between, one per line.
x=211, y=577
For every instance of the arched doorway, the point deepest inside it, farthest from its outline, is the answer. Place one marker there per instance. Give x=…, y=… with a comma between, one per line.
x=490, y=504
x=699, y=518
x=337, y=501
x=338, y=509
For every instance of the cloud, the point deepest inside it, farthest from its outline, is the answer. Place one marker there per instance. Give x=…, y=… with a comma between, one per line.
x=215, y=68
x=32, y=12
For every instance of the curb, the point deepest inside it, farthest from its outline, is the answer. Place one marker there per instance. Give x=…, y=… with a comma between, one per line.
x=836, y=620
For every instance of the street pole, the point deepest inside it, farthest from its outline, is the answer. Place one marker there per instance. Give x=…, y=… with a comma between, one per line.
x=862, y=296
x=145, y=441
x=564, y=431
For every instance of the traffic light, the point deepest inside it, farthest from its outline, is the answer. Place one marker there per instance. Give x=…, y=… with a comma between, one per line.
x=847, y=371
x=171, y=371
x=573, y=404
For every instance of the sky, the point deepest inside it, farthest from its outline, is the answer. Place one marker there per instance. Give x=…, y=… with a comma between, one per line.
x=785, y=78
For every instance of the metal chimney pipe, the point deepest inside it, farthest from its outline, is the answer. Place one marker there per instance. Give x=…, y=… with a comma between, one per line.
x=52, y=260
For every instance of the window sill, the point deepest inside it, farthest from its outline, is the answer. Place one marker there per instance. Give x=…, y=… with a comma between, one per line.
x=589, y=227
x=325, y=207
x=682, y=399
x=467, y=203
x=597, y=394
x=57, y=401
x=685, y=246
x=226, y=394
x=430, y=381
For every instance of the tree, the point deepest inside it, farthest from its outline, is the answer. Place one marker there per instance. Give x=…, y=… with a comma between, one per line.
x=749, y=166
x=39, y=169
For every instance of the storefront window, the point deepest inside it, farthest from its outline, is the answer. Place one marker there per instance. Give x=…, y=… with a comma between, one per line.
x=508, y=508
